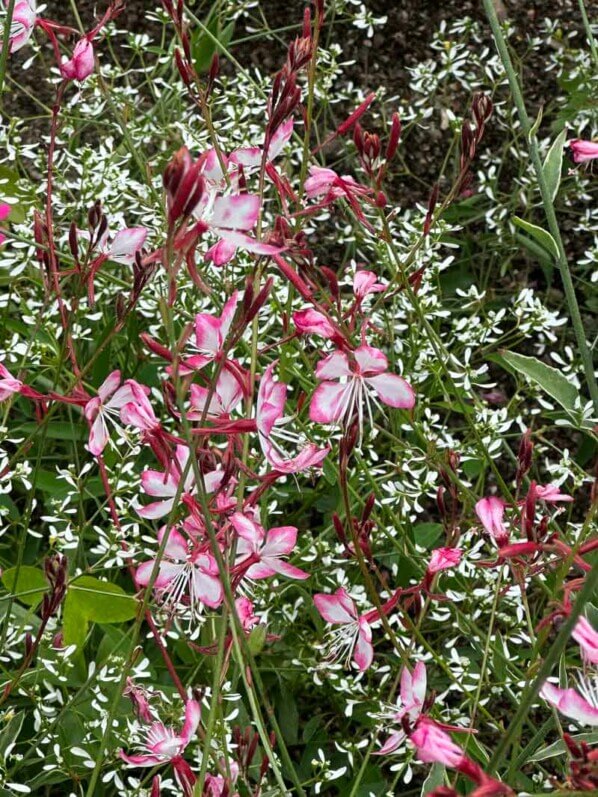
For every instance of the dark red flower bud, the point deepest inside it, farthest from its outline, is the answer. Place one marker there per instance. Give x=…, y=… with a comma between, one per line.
x=394, y=138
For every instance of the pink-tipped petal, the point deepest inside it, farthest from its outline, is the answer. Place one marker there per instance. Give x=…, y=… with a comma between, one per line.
x=238, y=212
x=329, y=402
x=363, y=655
x=570, y=703
x=393, y=390
x=336, y=608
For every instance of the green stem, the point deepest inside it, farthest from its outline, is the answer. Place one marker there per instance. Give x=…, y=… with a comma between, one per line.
x=503, y=51
x=5, y=42
x=588, y=30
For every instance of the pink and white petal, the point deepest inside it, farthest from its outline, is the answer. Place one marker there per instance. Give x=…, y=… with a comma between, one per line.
x=246, y=242
x=334, y=366
x=328, y=402
x=158, y=484
x=393, y=390
x=192, y=717
x=156, y=510
x=229, y=390
x=418, y=683
x=336, y=608
x=212, y=480
x=312, y=322
x=141, y=760
x=284, y=568
x=246, y=528
x=109, y=385
x=570, y=703
x=176, y=547
x=280, y=540
x=98, y=436
x=212, y=170
x=394, y=741
x=371, y=361
x=208, y=588
x=126, y=394
x=220, y=253
x=238, y=212
x=207, y=333
x=309, y=457
x=587, y=638
x=259, y=571
x=127, y=243
x=363, y=654
x=248, y=157
x=281, y=136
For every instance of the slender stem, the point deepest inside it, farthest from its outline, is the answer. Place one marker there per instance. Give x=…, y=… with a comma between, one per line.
x=588, y=30
x=5, y=42
x=503, y=51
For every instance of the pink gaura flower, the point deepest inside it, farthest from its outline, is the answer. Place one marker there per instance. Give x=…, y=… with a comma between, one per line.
x=227, y=393
x=265, y=549
x=186, y=574
x=583, y=150
x=139, y=412
x=244, y=609
x=162, y=745
x=165, y=485
x=250, y=158
x=443, y=559
x=81, y=64
x=111, y=398
x=23, y=23
x=327, y=183
x=9, y=385
x=125, y=244
x=587, y=638
x=552, y=494
x=411, y=702
x=365, y=283
x=270, y=420
x=582, y=708
x=229, y=217
x=211, y=333
x=312, y=322
x=353, y=639
x=360, y=381
x=491, y=511
x=434, y=745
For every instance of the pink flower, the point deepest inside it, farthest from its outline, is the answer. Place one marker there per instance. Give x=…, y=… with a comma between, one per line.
x=270, y=418
x=244, y=609
x=490, y=511
x=166, y=485
x=227, y=393
x=552, y=494
x=125, y=244
x=139, y=412
x=587, y=638
x=354, y=637
x=582, y=709
x=163, y=745
x=8, y=384
x=443, y=559
x=211, y=333
x=327, y=183
x=229, y=217
x=23, y=23
x=411, y=702
x=336, y=401
x=111, y=398
x=583, y=150
x=81, y=64
x=312, y=322
x=365, y=282
x=265, y=549
x=4, y=214
x=433, y=745
x=250, y=158
x=185, y=574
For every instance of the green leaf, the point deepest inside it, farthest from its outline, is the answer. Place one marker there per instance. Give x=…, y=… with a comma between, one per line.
x=435, y=778
x=549, y=379
x=536, y=125
x=553, y=163
x=540, y=236
x=90, y=600
x=10, y=733
x=559, y=748
x=204, y=46
x=28, y=585
x=426, y=534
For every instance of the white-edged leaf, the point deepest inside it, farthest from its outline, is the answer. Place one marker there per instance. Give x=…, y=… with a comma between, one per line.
x=434, y=780
x=560, y=748
x=549, y=379
x=540, y=236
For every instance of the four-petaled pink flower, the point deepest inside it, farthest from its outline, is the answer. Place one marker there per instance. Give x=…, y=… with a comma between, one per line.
x=360, y=380
x=81, y=64
x=443, y=559
x=111, y=398
x=270, y=418
x=185, y=574
x=491, y=511
x=434, y=745
x=165, y=485
x=411, y=703
x=23, y=23
x=265, y=550
x=583, y=150
x=211, y=333
x=354, y=637
x=162, y=745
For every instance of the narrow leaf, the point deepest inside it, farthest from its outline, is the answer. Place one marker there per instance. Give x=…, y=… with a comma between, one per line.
x=553, y=163
x=541, y=237
x=549, y=379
